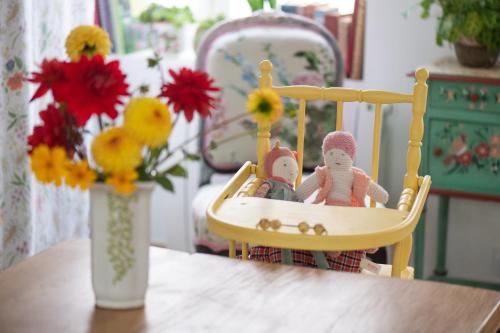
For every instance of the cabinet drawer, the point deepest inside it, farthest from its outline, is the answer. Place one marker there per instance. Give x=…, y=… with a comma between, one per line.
x=467, y=96
x=463, y=156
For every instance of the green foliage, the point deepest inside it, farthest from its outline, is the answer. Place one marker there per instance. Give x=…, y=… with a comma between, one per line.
x=259, y=4
x=177, y=170
x=475, y=19
x=164, y=182
x=176, y=15
x=208, y=23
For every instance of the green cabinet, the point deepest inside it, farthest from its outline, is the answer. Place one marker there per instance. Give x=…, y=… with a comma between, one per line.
x=461, y=149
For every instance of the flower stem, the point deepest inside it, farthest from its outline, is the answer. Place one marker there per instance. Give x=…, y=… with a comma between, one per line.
x=99, y=119
x=211, y=129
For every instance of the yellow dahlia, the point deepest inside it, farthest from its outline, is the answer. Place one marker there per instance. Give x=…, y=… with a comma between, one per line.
x=79, y=174
x=114, y=150
x=265, y=105
x=123, y=182
x=148, y=121
x=49, y=165
x=87, y=40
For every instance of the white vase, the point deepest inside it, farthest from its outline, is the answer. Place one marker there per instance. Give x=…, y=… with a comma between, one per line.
x=120, y=245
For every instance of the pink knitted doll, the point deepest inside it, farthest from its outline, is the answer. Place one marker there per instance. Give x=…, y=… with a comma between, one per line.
x=341, y=184
x=281, y=169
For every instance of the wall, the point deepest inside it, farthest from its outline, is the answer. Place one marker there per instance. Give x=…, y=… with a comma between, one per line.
x=394, y=46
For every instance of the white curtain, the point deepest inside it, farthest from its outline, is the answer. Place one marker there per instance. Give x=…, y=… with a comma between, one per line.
x=32, y=216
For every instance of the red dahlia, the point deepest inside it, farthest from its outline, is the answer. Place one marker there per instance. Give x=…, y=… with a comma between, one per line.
x=93, y=88
x=58, y=128
x=50, y=76
x=189, y=92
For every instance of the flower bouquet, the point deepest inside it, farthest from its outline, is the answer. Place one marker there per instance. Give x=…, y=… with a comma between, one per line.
x=95, y=134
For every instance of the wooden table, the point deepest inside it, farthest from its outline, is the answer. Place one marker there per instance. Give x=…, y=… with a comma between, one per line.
x=51, y=292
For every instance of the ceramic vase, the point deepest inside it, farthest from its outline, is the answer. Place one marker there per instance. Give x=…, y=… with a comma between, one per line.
x=120, y=245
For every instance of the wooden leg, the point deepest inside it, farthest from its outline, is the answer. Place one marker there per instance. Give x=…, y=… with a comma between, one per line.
x=402, y=251
x=419, y=250
x=244, y=251
x=442, y=236
x=232, y=249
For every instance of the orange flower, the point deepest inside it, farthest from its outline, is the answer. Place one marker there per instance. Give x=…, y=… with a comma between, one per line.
x=123, y=182
x=15, y=82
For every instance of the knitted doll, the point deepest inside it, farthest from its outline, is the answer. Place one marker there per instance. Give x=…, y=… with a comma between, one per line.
x=341, y=184
x=281, y=168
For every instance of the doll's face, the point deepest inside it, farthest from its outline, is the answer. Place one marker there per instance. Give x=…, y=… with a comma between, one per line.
x=286, y=167
x=337, y=159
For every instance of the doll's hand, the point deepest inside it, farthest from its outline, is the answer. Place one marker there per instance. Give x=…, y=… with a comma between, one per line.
x=262, y=190
x=378, y=193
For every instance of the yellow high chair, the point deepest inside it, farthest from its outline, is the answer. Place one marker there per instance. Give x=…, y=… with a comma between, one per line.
x=238, y=216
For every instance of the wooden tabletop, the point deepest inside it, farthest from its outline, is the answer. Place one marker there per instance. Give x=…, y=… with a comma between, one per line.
x=51, y=292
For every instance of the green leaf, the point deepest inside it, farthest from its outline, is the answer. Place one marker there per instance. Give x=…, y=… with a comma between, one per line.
x=165, y=183
x=272, y=3
x=144, y=88
x=177, y=170
x=191, y=156
x=256, y=4
x=153, y=62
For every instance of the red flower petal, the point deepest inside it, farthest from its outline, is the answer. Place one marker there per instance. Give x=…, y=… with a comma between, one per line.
x=93, y=87
x=189, y=92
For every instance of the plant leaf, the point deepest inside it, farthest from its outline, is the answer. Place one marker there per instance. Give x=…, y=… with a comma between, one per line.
x=191, y=156
x=153, y=62
x=177, y=170
x=256, y=4
x=165, y=183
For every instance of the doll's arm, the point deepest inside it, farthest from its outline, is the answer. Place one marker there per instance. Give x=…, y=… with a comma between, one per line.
x=307, y=187
x=262, y=190
x=377, y=192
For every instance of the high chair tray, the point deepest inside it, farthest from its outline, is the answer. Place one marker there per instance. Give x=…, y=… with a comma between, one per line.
x=345, y=226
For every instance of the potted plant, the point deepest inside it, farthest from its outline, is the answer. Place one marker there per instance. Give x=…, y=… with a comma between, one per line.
x=128, y=149
x=160, y=28
x=473, y=26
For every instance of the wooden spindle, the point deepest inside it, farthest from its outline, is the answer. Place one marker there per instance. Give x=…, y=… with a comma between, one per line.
x=376, y=146
x=300, y=139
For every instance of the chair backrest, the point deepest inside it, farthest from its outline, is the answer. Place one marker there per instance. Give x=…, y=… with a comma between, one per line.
x=302, y=51
x=302, y=93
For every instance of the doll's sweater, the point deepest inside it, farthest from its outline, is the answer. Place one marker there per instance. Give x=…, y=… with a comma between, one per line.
x=339, y=188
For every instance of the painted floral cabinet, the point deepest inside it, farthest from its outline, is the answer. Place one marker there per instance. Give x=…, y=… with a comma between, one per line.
x=461, y=147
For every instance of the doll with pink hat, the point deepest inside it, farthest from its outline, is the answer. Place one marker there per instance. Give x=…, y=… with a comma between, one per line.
x=281, y=168
x=339, y=183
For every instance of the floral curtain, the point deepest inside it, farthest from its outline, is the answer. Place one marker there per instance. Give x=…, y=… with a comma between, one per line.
x=32, y=216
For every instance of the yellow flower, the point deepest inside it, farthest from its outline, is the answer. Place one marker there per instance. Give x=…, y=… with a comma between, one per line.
x=265, y=105
x=87, y=40
x=114, y=150
x=123, y=182
x=148, y=121
x=79, y=174
x=49, y=165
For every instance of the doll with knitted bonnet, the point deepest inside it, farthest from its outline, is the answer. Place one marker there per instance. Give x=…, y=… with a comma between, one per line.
x=281, y=168
x=339, y=183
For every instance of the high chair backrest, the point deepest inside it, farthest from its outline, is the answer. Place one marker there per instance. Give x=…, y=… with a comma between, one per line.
x=417, y=99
